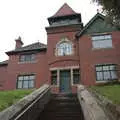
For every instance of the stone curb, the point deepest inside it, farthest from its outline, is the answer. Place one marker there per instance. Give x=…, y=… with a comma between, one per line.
x=90, y=107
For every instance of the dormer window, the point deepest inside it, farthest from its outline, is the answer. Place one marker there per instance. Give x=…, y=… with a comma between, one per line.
x=27, y=58
x=64, y=47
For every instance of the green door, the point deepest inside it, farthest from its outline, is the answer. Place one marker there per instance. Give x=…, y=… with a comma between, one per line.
x=65, y=81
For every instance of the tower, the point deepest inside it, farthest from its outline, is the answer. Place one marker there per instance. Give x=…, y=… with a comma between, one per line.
x=62, y=50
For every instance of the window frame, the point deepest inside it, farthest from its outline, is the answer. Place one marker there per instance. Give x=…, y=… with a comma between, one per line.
x=77, y=76
x=102, y=71
x=54, y=75
x=70, y=48
x=101, y=40
x=31, y=56
x=24, y=80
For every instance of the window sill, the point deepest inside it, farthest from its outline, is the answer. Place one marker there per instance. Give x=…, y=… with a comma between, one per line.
x=102, y=48
x=75, y=84
x=107, y=81
x=54, y=85
x=25, y=88
x=26, y=62
x=64, y=55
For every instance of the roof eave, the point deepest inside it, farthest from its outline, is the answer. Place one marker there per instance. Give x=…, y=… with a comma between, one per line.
x=64, y=16
x=51, y=27
x=4, y=64
x=15, y=52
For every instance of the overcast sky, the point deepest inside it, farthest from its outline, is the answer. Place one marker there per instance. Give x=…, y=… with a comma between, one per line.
x=28, y=19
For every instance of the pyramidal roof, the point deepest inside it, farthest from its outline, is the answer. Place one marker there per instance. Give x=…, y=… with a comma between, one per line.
x=64, y=11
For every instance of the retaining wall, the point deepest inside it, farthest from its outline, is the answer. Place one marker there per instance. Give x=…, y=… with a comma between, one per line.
x=29, y=107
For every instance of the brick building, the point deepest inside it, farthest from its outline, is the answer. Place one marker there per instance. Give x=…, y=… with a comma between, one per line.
x=74, y=54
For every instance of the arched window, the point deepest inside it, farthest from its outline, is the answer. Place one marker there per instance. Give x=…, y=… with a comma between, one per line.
x=64, y=47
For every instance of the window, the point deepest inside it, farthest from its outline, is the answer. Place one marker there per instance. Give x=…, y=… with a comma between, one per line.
x=64, y=47
x=76, y=76
x=106, y=72
x=54, y=77
x=102, y=41
x=25, y=81
x=27, y=58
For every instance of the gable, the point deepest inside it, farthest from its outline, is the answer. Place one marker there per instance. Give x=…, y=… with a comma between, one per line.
x=99, y=26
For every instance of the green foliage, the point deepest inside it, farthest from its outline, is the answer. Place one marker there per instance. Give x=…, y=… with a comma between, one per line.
x=7, y=98
x=111, y=92
x=112, y=9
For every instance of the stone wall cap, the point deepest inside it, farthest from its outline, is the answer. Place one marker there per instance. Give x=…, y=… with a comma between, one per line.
x=15, y=108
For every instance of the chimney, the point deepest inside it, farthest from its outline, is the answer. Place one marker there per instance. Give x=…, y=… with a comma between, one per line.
x=19, y=43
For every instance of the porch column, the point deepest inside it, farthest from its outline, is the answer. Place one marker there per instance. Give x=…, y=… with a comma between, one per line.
x=71, y=71
x=58, y=77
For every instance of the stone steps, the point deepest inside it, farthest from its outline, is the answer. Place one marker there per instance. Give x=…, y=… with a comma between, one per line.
x=62, y=107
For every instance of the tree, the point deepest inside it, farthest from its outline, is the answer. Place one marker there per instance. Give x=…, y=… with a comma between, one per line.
x=112, y=10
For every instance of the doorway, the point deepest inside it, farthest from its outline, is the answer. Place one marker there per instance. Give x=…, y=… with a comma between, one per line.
x=65, y=80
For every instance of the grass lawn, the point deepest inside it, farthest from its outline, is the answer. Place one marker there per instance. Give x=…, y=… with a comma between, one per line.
x=112, y=92
x=7, y=98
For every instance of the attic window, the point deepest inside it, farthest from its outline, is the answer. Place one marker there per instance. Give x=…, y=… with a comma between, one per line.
x=102, y=41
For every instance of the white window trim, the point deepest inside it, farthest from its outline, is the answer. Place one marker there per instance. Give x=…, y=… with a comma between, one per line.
x=64, y=68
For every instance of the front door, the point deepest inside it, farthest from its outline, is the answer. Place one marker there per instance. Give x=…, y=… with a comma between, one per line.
x=65, y=79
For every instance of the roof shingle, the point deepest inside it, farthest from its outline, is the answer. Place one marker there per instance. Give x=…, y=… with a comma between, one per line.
x=4, y=63
x=65, y=10
x=31, y=47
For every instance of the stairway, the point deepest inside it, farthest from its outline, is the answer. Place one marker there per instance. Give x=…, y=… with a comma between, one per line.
x=62, y=107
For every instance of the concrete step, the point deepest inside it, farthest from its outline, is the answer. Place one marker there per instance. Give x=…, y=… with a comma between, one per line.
x=62, y=107
x=65, y=109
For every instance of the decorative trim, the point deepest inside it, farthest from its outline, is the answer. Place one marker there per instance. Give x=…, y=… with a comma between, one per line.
x=71, y=76
x=64, y=68
x=98, y=34
x=58, y=77
x=66, y=40
x=27, y=62
x=65, y=59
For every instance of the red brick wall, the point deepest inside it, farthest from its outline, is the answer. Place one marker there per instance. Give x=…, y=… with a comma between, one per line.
x=39, y=67
x=53, y=39
x=54, y=36
x=3, y=76
x=90, y=57
x=84, y=56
